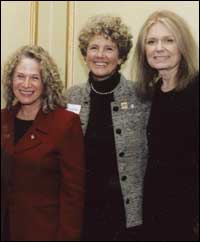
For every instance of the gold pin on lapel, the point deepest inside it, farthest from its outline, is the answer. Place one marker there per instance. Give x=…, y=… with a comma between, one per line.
x=32, y=136
x=124, y=105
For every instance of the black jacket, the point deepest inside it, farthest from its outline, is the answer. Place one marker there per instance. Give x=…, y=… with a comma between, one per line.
x=171, y=198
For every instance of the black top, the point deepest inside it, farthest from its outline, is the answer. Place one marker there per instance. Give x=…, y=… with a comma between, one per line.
x=21, y=127
x=173, y=125
x=171, y=182
x=104, y=205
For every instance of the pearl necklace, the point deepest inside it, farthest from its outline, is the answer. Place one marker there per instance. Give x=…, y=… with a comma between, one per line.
x=102, y=93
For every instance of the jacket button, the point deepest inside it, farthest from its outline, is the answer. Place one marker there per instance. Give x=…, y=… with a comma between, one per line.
x=124, y=178
x=121, y=154
x=7, y=136
x=118, y=131
x=115, y=108
x=127, y=201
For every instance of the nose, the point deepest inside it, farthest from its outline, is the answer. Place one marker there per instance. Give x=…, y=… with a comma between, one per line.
x=27, y=82
x=100, y=53
x=159, y=46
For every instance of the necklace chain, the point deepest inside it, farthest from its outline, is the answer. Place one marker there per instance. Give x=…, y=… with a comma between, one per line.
x=101, y=93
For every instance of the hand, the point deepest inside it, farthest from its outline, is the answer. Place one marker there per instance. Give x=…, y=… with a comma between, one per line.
x=196, y=231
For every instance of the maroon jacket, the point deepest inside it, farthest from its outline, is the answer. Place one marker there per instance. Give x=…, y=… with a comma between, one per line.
x=46, y=185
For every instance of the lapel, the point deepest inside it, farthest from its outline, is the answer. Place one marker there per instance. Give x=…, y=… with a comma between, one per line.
x=125, y=96
x=85, y=106
x=33, y=137
x=7, y=130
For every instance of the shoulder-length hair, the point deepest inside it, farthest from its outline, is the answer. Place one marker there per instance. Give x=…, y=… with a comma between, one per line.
x=147, y=76
x=53, y=86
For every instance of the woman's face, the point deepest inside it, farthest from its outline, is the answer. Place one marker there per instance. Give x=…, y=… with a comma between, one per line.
x=27, y=82
x=161, y=48
x=102, y=57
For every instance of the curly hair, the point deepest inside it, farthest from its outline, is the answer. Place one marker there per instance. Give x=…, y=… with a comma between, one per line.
x=110, y=27
x=52, y=94
x=147, y=76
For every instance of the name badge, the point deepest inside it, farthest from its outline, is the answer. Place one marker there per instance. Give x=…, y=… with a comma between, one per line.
x=74, y=108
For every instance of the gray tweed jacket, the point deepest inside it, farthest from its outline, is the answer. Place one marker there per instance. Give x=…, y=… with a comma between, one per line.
x=129, y=117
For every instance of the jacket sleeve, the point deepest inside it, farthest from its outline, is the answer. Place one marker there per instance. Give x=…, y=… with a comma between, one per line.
x=71, y=182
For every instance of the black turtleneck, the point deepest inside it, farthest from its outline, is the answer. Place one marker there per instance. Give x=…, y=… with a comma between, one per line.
x=104, y=203
x=105, y=85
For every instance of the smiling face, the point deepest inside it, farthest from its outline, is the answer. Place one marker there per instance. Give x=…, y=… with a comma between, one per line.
x=161, y=48
x=27, y=83
x=102, y=57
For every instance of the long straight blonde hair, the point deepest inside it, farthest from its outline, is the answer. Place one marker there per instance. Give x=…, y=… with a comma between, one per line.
x=146, y=76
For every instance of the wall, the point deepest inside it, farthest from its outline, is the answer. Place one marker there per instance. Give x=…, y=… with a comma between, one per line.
x=14, y=29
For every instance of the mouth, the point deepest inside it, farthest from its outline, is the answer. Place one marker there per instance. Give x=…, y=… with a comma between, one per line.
x=160, y=57
x=100, y=64
x=26, y=93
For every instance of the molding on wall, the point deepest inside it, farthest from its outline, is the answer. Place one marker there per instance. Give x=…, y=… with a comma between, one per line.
x=69, y=67
x=34, y=10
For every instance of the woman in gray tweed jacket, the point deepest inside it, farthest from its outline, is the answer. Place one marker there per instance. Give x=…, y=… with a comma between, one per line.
x=114, y=124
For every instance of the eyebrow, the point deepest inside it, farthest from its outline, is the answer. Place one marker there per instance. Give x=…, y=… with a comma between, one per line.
x=153, y=37
x=107, y=46
x=33, y=74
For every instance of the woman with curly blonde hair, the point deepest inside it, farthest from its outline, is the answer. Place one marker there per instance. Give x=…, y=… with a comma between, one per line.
x=113, y=121
x=52, y=95
x=43, y=144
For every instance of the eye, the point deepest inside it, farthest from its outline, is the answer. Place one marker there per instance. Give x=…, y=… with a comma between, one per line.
x=19, y=77
x=150, y=42
x=109, y=49
x=170, y=40
x=35, y=78
x=93, y=48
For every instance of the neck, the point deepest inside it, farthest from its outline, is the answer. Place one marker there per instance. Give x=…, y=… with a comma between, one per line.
x=96, y=78
x=168, y=79
x=28, y=112
x=106, y=85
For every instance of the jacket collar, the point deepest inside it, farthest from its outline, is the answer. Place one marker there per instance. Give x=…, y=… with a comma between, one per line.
x=39, y=123
x=31, y=138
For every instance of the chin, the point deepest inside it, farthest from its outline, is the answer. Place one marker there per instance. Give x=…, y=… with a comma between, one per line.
x=100, y=74
x=27, y=102
x=160, y=67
